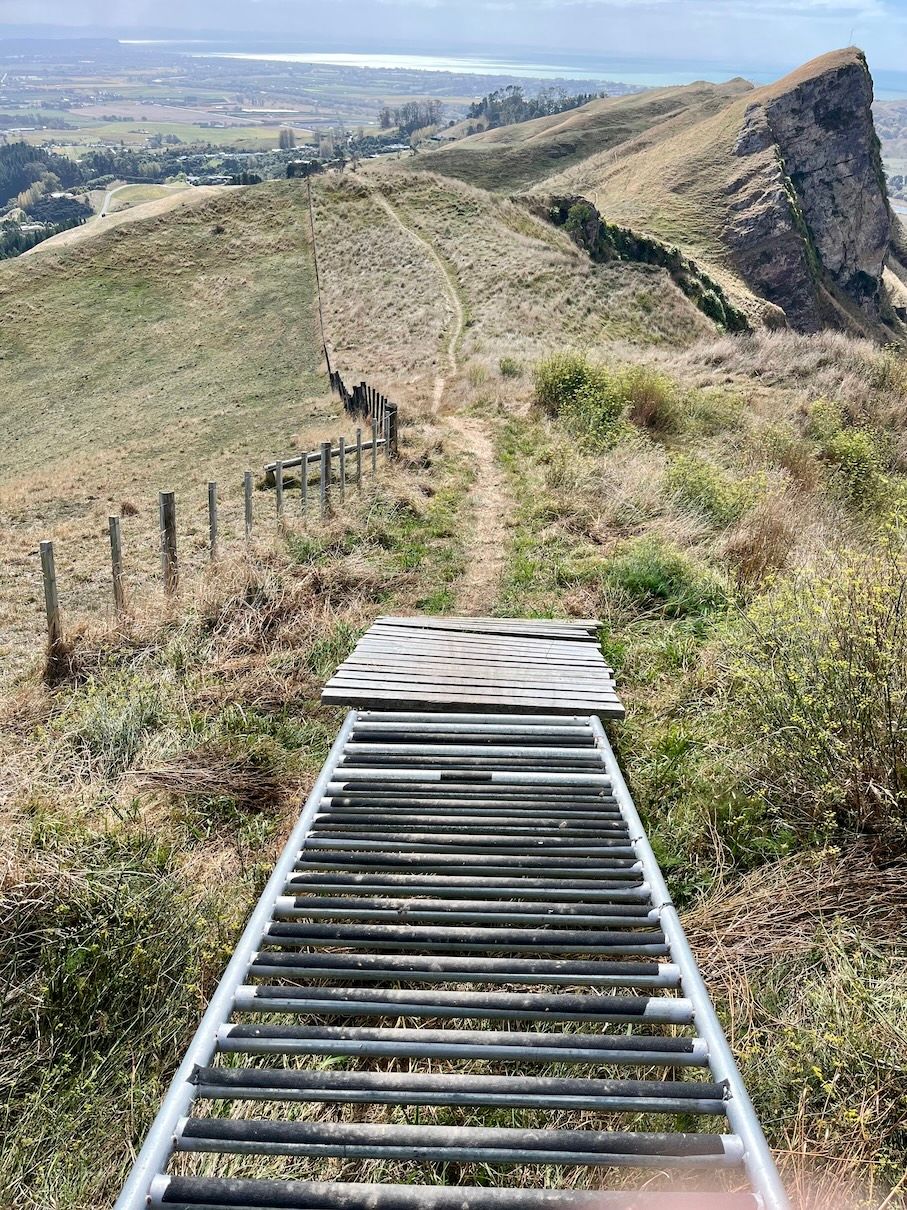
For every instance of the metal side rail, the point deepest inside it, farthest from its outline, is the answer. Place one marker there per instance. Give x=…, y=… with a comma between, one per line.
x=466, y=919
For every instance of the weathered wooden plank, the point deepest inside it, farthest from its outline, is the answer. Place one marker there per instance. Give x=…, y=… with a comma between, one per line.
x=507, y=626
x=387, y=651
x=371, y=698
x=509, y=629
x=495, y=625
x=503, y=664
x=487, y=642
x=476, y=692
x=494, y=674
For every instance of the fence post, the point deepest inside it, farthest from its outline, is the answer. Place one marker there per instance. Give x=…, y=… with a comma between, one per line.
x=169, y=562
x=247, y=492
x=325, y=477
x=51, y=604
x=386, y=429
x=212, y=519
x=392, y=429
x=374, y=446
x=342, y=460
x=116, y=564
x=278, y=480
x=359, y=458
x=304, y=482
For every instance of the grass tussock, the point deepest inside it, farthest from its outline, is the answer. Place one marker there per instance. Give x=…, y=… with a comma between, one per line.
x=804, y=958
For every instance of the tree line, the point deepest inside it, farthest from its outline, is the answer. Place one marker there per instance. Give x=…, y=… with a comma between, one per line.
x=507, y=106
x=411, y=116
x=22, y=167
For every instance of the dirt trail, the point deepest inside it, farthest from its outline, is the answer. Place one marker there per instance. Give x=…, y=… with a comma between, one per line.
x=478, y=587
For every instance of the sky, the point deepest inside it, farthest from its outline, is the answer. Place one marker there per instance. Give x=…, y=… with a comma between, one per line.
x=738, y=33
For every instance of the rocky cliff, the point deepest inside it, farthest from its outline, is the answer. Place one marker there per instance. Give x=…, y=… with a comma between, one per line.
x=808, y=226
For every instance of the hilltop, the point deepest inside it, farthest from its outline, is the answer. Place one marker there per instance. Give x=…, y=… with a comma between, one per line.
x=778, y=192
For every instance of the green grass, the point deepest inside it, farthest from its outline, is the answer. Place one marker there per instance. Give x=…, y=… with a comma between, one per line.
x=134, y=195
x=138, y=360
x=137, y=132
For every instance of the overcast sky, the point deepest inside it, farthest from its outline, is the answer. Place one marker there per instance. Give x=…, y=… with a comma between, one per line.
x=744, y=32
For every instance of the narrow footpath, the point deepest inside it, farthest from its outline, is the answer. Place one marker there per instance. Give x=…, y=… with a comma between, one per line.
x=491, y=504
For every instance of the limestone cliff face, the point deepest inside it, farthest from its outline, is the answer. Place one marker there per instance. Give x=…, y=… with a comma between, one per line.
x=807, y=207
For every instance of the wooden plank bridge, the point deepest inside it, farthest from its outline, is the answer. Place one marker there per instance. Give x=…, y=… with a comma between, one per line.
x=467, y=921
x=504, y=664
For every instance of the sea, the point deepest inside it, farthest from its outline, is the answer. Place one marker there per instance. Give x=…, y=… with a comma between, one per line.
x=643, y=73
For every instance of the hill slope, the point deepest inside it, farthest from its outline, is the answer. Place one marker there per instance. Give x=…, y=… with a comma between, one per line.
x=138, y=360
x=516, y=157
x=778, y=191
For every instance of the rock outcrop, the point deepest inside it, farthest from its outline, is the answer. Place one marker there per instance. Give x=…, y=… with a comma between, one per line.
x=808, y=221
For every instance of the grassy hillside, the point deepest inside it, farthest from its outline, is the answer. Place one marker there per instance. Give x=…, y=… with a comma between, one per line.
x=512, y=158
x=156, y=356
x=523, y=285
x=581, y=439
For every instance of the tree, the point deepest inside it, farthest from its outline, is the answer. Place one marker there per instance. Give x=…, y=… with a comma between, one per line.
x=412, y=115
x=286, y=140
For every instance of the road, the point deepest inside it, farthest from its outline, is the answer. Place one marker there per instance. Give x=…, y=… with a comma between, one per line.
x=110, y=193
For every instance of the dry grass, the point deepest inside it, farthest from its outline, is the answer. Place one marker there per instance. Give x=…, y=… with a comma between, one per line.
x=778, y=911
x=806, y=956
x=762, y=541
x=514, y=157
x=527, y=289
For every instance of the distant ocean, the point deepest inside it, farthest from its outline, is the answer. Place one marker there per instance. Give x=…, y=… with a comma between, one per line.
x=889, y=85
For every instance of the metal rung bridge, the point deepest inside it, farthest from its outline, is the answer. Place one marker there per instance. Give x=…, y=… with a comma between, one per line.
x=467, y=921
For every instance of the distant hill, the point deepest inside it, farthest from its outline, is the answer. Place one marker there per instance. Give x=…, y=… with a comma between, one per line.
x=517, y=157
x=778, y=192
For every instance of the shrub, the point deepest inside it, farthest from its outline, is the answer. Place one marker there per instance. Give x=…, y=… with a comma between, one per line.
x=824, y=419
x=856, y=467
x=852, y=453
x=658, y=574
x=585, y=395
x=595, y=399
x=819, y=671
x=702, y=484
x=510, y=368
x=782, y=447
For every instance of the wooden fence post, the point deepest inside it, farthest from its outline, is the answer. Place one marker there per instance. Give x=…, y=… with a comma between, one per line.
x=278, y=480
x=51, y=604
x=169, y=562
x=392, y=429
x=304, y=482
x=212, y=519
x=116, y=564
x=342, y=460
x=247, y=493
x=325, y=477
x=359, y=458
